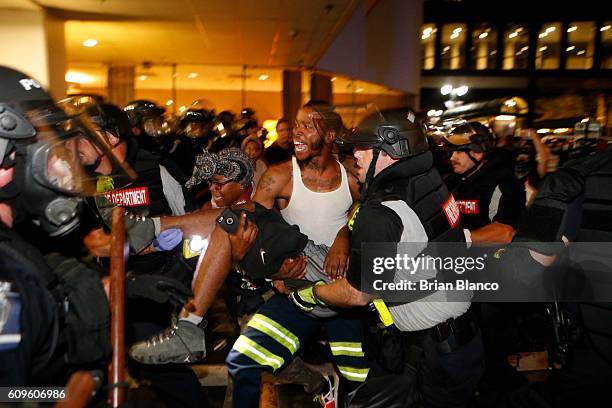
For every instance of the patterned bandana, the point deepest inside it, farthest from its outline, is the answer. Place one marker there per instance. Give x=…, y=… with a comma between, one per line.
x=231, y=163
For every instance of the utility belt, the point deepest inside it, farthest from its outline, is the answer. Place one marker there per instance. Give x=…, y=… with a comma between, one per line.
x=392, y=348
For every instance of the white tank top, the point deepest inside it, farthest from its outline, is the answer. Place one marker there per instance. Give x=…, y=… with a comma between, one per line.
x=319, y=215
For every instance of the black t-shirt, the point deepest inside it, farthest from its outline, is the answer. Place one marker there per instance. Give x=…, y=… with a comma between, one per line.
x=373, y=223
x=474, y=192
x=276, y=154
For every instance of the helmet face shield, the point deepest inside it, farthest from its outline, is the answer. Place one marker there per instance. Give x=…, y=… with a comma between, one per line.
x=66, y=143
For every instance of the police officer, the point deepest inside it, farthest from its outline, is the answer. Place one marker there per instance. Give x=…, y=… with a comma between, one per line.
x=41, y=181
x=428, y=350
x=195, y=138
x=149, y=125
x=490, y=198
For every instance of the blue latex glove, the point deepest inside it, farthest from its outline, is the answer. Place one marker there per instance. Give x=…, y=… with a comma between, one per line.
x=168, y=239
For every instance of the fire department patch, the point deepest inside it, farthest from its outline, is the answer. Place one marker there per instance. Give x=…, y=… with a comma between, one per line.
x=129, y=197
x=451, y=211
x=468, y=206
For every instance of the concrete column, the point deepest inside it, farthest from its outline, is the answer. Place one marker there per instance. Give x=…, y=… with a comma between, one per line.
x=121, y=84
x=33, y=42
x=292, y=93
x=321, y=87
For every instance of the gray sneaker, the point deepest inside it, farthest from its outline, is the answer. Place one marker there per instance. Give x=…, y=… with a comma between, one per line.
x=180, y=343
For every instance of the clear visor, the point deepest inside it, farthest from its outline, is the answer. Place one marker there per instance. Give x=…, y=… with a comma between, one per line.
x=68, y=145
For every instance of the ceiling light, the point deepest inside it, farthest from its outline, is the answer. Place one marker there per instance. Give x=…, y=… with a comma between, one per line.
x=542, y=35
x=551, y=29
x=359, y=90
x=183, y=108
x=518, y=30
x=483, y=35
x=605, y=28
x=427, y=31
x=78, y=77
x=571, y=29
x=570, y=48
x=512, y=35
x=542, y=49
x=142, y=77
x=424, y=36
x=543, y=130
x=446, y=89
x=263, y=77
x=446, y=48
x=454, y=35
x=525, y=48
x=90, y=43
x=493, y=52
x=561, y=130
x=457, y=30
x=333, y=79
x=169, y=102
x=580, y=52
x=192, y=75
x=505, y=117
x=585, y=120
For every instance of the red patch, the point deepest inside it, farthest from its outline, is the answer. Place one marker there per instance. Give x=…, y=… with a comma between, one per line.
x=451, y=211
x=468, y=206
x=129, y=197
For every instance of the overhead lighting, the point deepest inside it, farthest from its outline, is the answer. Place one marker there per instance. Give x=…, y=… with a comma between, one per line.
x=572, y=29
x=570, y=48
x=462, y=90
x=512, y=35
x=562, y=130
x=518, y=30
x=90, y=43
x=580, y=52
x=142, y=77
x=542, y=35
x=263, y=77
x=605, y=28
x=525, y=48
x=493, y=52
x=183, y=108
x=192, y=75
x=542, y=49
x=585, y=120
x=543, y=131
x=551, y=29
x=425, y=36
x=333, y=79
x=446, y=89
x=169, y=102
x=457, y=30
x=483, y=35
x=359, y=90
x=78, y=77
x=446, y=48
x=505, y=117
x=454, y=35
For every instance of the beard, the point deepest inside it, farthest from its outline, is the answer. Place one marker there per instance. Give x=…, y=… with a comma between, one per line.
x=315, y=150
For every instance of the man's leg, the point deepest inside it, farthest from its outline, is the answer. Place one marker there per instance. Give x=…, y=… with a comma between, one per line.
x=184, y=343
x=273, y=336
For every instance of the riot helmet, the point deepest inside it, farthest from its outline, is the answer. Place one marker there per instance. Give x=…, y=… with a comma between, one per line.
x=471, y=136
x=146, y=117
x=196, y=122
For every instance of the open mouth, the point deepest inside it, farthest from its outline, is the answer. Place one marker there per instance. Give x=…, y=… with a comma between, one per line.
x=299, y=146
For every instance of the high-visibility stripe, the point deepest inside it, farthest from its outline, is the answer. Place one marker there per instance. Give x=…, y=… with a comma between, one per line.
x=258, y=353
x=346, y=348
x=354, y=374
x=383, y=312
x=268, y=326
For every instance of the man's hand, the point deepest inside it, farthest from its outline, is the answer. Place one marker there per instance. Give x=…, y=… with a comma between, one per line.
x=243, y=239
x=279, y=285
x=292, y=268
x=336, y=261
x=305, y=298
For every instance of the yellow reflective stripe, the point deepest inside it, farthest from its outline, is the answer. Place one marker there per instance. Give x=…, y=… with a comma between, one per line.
x=354, y=374
x=383, y=312
x=268, y=326
x=345, y=348
x=258, y=353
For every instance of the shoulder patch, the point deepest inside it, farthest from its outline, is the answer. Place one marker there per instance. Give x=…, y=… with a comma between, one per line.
x=451, y=211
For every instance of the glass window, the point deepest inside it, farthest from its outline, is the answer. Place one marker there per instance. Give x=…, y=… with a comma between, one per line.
x=549, y=46
x=428, y=46
x=516, y=47
x=580, y=45
x=606, y=45
x=484, y=47
x=453, y=46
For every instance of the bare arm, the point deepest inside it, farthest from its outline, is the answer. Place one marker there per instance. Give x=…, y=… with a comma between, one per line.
x=495, y=232
x=341, y=294
x=201, y=222
x=272, y=183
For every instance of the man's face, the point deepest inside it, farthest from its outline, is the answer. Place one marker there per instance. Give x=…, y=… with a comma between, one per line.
x=253, y=150
x=307, y=141
x=363, y=158
x=225, y=192
x=284, y=132
x=461, y=162
x=88, y=153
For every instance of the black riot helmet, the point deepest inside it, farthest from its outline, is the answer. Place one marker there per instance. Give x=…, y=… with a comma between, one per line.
x=146, y=116
x=110, y=118
x=196, y=122
x=39, y=149
x=471, y=136
x=397, y=132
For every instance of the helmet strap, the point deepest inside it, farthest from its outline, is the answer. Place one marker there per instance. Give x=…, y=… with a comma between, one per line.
x=370, y=173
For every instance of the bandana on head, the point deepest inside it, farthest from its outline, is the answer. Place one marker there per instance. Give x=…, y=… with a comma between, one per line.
x=231, y=163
